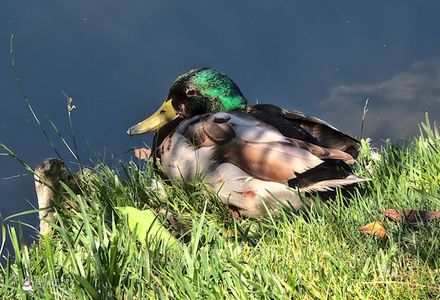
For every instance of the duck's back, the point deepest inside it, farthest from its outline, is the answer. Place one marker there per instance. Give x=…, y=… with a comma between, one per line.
x=300, y=126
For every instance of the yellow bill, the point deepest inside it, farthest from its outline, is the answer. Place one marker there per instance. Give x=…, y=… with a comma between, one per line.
x=162, y=116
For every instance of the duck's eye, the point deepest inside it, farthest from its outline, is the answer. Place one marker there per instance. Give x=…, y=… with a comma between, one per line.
x=190, y=92
x=162, y=111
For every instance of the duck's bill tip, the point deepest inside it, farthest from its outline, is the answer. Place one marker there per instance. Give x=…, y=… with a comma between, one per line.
x=142, y=127
x=130, y=131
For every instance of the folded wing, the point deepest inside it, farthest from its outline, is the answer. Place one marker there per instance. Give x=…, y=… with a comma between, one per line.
x=259, y=149
x=295, y=124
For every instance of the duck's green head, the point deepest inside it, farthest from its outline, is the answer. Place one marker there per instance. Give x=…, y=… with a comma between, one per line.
x=193, y=93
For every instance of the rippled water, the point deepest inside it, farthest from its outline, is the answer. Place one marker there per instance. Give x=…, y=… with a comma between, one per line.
x=118, y=59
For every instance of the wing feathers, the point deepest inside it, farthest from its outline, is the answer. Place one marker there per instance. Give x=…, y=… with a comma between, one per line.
x=295, y=124
x=331, y=184
x=259, y=149
x=273, y=161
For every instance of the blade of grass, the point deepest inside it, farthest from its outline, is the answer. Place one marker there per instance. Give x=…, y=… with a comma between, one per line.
x=63, y=140
x=70, y=108
x=25, y=98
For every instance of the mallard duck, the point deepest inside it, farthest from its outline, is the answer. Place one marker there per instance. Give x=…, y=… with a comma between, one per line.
x=255, y=156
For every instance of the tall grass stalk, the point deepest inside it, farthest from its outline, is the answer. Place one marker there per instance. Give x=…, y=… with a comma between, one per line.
x=70, y=108
x=25, y=98
x=364, y=115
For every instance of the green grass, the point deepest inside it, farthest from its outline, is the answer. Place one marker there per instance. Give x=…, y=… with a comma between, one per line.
x=315, y=253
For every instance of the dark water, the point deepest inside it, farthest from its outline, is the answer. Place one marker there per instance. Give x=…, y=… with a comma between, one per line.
x=117, y=60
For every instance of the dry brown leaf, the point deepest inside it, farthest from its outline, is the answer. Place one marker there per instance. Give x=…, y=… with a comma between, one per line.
x=376, y=228
x=393, y=214
x=410, y=215
x=142, y=153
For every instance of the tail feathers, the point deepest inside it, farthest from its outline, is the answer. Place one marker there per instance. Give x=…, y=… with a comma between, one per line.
x=330, y=184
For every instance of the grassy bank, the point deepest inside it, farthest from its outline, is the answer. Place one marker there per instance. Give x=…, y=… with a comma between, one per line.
x=316, y=253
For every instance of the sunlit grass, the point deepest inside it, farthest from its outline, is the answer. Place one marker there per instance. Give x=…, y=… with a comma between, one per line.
x=316, y=253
